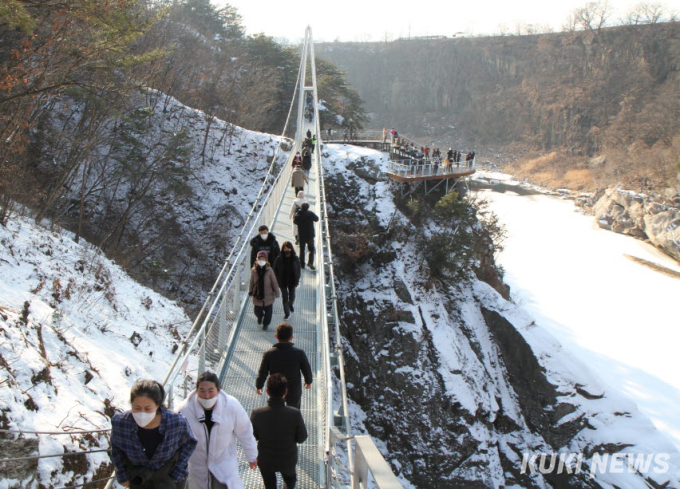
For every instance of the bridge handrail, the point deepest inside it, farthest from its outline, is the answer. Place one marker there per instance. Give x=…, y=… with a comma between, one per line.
x=406, y=168
x=330, y=319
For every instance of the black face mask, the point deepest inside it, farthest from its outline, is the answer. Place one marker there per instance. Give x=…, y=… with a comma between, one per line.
x=287, y=253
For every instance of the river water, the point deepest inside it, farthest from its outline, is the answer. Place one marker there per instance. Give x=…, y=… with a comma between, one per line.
x=620, y=318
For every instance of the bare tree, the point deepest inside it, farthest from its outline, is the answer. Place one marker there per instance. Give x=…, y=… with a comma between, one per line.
x=646, y=13
x=593, y=16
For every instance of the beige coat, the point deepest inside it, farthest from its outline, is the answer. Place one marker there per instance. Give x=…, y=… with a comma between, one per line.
x=271, y=287
x=299, y=178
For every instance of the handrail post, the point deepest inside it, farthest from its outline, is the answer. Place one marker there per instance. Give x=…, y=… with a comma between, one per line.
x=360, y=475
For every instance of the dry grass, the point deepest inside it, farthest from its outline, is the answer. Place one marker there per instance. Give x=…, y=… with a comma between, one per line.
x=556, y=171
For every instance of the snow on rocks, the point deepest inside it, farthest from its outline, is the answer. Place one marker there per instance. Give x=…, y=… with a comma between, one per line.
x=68, y=318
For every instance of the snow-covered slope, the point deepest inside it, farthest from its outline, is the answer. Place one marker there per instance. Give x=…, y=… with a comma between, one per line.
x=77, y=331
x=167, y=189
x=456, y=381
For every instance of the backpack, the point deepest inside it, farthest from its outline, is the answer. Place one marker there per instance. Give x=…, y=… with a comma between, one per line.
x=296, y=216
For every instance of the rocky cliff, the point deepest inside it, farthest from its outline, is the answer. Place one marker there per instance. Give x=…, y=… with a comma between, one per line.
x=552, y=89
x=457, y=382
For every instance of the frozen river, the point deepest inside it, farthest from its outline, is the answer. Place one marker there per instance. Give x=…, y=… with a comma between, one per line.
x=619, y=317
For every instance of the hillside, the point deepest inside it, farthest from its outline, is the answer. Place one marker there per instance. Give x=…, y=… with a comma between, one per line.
x=166, y=191
x=77, y=332
x=601, y=104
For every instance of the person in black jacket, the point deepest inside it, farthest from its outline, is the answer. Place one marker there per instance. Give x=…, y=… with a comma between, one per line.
x=278, y=429
x=307, y=159
x=305, y=220
x=284, y=358
x=287, y=270
x=264, y=241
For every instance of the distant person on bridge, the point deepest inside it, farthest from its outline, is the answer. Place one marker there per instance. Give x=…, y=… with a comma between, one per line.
x=313, y=145
x=264, y=289
x=296, y=207
x=345, y=135
x=307, y=159
x=330, y=132
x=309, y=133
x=287, y=270
x=278, y=430
x=285, y=359
x=297, y=160
x=305, y=220
x=298, y=179
x=264, y=241
x=217, y=420
x=150, y=445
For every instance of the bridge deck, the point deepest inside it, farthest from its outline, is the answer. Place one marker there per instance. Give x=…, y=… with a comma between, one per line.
x=250, y=342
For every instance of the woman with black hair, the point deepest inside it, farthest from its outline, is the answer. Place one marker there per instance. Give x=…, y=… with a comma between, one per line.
x=287, y=271
x=150, y=445
x=218, y=420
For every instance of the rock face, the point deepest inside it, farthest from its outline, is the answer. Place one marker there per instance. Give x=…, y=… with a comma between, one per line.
x=457, y=383
x=640, y=216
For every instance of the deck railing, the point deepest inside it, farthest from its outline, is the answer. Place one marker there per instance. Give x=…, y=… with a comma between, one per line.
x=431, y=168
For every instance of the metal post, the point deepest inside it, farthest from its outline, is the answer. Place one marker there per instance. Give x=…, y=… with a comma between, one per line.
x=201, y=355
x=223, y=319
x=360, y=475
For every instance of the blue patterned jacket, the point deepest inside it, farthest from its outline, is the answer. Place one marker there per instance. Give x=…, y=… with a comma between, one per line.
x=177, y=438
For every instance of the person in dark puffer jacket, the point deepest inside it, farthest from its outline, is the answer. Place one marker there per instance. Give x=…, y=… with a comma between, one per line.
x=284, y=358
x=278, y=430
x=287, y=270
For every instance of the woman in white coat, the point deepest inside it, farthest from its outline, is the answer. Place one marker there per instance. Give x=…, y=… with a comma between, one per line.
x=216, y=420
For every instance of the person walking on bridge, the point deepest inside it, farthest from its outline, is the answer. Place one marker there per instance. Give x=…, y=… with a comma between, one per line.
x=264, y=241
x=278, y=430
x=264, y=289
x=297, y=160
x=305, y=220
x=287, y=271
x=217, y=420
x=306, y=160
x=150, y=445
x=296, y=207
x=298, y=179
x=286, y=359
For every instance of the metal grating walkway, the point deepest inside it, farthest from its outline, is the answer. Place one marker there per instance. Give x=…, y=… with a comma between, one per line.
x=250, y=342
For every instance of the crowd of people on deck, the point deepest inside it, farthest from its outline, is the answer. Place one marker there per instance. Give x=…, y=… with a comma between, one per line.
x=424, y=155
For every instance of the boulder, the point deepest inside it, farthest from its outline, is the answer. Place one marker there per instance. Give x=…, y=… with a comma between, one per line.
x=663, y=229
x=638, y=215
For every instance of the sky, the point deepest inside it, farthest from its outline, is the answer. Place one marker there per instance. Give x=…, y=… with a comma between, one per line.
x=354, y=20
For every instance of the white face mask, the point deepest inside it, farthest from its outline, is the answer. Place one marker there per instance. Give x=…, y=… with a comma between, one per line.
x=207, y=403
x=264, y=236
x=261, y=263
x=143, y=419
